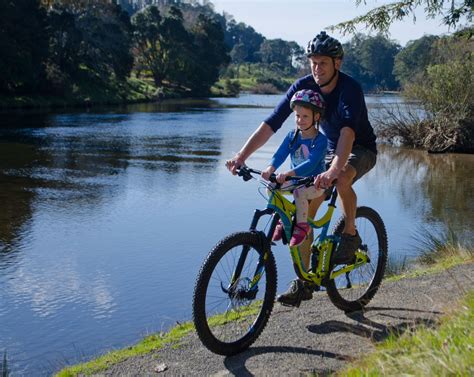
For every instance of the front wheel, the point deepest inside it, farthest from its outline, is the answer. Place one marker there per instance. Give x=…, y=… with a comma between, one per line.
x=352, y=291
x=230, y=313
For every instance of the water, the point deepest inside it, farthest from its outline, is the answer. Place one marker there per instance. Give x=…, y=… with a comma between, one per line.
x=107, y=215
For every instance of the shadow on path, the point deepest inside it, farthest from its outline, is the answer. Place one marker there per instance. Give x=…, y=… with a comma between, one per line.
x=373, y=330
x=236, y=364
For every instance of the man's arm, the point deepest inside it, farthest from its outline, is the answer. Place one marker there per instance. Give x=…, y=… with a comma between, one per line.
x=255, y=141
x=343, y=150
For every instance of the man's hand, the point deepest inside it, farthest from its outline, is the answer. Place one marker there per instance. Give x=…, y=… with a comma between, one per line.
x=234, y=163
x=325, y=180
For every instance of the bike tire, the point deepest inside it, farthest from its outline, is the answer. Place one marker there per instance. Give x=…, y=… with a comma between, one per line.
x=367, y=278
x=228, y=325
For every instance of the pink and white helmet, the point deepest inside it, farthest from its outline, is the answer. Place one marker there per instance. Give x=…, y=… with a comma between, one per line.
x=308, y=98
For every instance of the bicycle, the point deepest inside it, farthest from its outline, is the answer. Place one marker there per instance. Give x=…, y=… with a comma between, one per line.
x=236, y=287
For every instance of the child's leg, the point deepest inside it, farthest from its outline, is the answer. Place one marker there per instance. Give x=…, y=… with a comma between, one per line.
x=302, y=195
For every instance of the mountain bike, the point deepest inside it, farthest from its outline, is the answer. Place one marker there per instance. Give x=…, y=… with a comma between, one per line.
x=236, y=286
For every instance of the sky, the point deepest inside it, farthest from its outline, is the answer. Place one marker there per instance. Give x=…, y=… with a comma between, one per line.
x=301, y=20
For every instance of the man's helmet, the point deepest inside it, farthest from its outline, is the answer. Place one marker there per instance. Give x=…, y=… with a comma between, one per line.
x=325, y=45
x=308, y=98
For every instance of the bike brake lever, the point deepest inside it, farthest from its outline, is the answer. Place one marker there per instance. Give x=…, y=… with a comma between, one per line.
x=245, y=174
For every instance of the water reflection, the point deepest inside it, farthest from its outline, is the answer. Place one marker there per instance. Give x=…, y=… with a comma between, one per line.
x=437, y=187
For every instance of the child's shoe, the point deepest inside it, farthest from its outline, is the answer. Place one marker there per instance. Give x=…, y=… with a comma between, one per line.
x=299, y=234
x=278, y=233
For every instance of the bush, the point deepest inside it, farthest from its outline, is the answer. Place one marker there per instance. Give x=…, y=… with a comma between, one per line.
x=231, y=88
x=445, y=92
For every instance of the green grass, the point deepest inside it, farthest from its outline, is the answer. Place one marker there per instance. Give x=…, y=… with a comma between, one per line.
x=151, y=343
x=447, y=350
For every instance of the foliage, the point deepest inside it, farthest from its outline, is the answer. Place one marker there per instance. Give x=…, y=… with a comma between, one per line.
x=434, y=246
x=210, y=55
x=411, y=62
x=446, y=90
x=231, y=87
x=23, y=46
x=445, y=350
x=370, y=61
x=444, y=87
x=160, y=41
x=379, y=19
x=189, y=59
x=239, y=36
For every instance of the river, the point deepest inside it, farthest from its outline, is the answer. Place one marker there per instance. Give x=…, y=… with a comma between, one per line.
x=107, y=215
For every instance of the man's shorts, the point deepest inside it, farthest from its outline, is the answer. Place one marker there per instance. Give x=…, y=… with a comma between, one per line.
x=361, y=159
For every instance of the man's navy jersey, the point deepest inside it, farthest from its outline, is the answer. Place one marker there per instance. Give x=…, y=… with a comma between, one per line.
x=345, y=107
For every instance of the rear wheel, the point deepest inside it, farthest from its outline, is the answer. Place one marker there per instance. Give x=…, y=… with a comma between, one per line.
x=230, y=317
x=352, y=291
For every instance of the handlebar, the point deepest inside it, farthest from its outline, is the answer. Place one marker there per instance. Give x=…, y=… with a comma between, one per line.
x=246, y=173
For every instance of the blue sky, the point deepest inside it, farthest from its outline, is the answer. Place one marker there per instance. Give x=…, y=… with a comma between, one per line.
x=300, y=20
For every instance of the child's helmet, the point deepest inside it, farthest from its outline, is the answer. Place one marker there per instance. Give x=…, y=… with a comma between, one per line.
x=308, y=98
x=325, y=45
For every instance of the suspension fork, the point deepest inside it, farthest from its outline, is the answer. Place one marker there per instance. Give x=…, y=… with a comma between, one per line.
x=264, y=239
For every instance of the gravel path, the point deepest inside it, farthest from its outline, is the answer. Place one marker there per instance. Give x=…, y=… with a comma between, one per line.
x=317, y=337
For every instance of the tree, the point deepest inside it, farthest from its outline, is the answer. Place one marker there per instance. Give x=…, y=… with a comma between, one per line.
x=23, y=46
x=379, y=19
x=411, y=62
x=377, y=55
x=149, y=42
x=276, y=51
x=210, y=54
x=370, y=61
x=106, y=41
x=240, y=33
x=91, y=38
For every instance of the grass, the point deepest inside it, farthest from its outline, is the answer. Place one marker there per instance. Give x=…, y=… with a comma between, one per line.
x=437, y=250
x=447, y=350
x=151, y=343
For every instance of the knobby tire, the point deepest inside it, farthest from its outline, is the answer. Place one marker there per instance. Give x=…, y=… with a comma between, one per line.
x=228, y=325
x=366, y=279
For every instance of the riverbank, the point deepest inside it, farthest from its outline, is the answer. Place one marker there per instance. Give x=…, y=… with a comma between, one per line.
x=94, y=93
x=314, y=339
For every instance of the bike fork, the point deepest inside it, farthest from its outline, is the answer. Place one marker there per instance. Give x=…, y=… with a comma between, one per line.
x=245, y=249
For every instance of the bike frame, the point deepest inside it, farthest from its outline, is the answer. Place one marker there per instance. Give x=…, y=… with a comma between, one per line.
x=280, y=208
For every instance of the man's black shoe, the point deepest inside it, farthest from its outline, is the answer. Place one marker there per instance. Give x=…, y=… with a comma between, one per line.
x=346, y=249
x=297, y=292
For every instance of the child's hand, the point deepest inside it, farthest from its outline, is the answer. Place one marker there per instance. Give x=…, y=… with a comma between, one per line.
x=281, y=177
x=268, y=172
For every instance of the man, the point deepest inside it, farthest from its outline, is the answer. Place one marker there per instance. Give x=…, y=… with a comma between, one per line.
x=351, y=144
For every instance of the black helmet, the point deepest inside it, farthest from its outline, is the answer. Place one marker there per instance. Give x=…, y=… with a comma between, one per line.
x=325, y=45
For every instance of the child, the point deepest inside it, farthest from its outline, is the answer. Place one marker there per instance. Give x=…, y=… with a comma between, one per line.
x=307, y=149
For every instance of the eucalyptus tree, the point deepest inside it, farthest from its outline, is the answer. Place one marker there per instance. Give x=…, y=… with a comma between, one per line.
x=162, y=43
x=379, y=19
x=210, y=54
x=411, y=62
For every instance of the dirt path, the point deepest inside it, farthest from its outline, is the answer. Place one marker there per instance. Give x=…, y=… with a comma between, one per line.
x=317, y=337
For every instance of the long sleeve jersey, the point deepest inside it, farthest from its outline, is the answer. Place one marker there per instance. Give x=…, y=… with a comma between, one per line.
x=307, y=155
